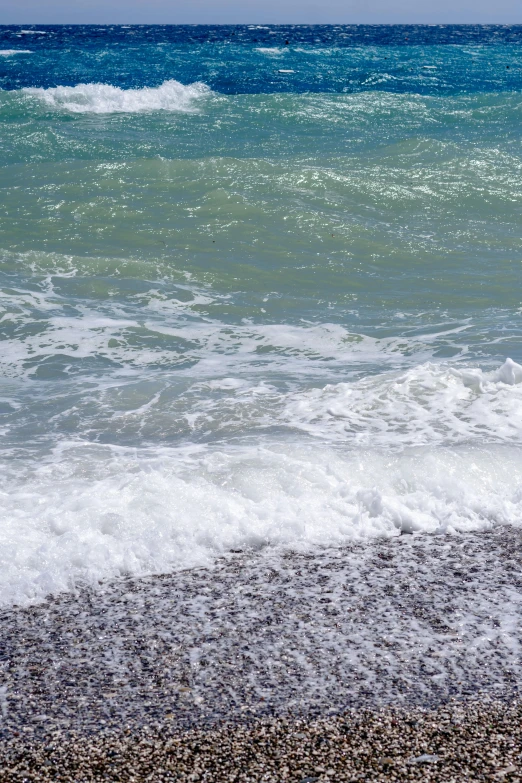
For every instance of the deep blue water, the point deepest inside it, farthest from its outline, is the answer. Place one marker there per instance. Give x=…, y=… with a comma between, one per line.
x=473, y=58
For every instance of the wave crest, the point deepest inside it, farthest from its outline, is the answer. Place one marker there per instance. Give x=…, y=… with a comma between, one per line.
x=12, y=52
x=107, y=99
x=426, y=405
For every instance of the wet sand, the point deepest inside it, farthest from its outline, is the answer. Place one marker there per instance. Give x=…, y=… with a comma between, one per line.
x=351, y=662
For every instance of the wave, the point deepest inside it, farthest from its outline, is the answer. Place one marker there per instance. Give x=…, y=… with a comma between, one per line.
x=11, y=52
x=433, y=450
x=90, y=512
x=427, y=404
x=107, y=99
x=271, y=51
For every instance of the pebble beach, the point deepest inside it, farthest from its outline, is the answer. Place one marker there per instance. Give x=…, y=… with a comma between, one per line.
x=476, y=742
x=271, y=668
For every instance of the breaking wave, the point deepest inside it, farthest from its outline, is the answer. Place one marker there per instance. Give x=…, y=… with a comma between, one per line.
x=107, y=99
x=11, y=52
x=92, y=512
x=434, y=450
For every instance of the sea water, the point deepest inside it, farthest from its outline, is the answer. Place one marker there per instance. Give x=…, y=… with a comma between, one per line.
x=260, y=289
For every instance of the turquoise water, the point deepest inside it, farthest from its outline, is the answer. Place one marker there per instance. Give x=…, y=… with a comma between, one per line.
x=250, y=298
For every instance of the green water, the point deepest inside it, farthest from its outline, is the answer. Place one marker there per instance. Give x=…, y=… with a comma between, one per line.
x=253, y=320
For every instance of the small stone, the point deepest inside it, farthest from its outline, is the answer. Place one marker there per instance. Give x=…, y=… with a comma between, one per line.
x=506, y=771
x=426, y=758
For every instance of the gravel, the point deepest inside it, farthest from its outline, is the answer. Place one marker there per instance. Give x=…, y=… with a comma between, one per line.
x=391, y=660
x=474, y=742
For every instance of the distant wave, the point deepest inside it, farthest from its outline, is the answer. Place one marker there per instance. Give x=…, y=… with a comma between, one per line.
x=107, y=99
x=10, y=52
x=271, y=51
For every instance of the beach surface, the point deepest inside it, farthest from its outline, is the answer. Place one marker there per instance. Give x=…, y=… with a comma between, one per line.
x=479, y=741
x=363, y=660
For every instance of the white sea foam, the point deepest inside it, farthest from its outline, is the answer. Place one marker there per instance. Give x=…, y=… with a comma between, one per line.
x=217, y=347
x=238, y=441
x=271, y=51
x=92, y=512
x=427, y=404
x=11, y=52
x=424, y=407
x=433, y=449
x=107, y=99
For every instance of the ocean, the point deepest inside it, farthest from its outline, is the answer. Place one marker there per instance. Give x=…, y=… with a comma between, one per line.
x=260, y=293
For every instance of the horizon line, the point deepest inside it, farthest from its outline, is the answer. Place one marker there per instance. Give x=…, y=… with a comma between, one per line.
x=256, y=24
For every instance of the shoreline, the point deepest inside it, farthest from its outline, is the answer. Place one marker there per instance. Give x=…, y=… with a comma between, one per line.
x=390, y=633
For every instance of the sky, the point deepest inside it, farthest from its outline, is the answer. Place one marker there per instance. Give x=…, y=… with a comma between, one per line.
x=259, y=11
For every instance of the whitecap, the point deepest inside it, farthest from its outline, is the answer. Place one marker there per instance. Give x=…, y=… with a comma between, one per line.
x=11, y=52
x=107, y=99
x=271, y=51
